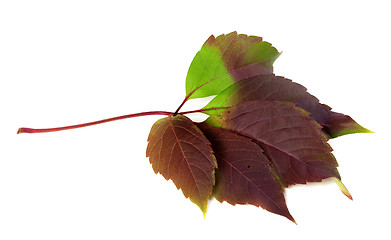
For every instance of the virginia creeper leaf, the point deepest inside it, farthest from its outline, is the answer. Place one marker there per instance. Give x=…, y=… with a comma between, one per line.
x=266, y=131
x=244, y=175
x=291, y=140
x=226, y=59
x=179, y=151
x=271, y=87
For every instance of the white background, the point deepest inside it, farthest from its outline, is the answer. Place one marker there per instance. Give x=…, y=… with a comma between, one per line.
x=68, y=62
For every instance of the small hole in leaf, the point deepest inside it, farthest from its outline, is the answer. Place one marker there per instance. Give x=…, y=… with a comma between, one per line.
x=248, y=166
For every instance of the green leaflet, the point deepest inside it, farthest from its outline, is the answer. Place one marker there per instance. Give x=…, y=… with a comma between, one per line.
x=227, y=59
x=207, y=67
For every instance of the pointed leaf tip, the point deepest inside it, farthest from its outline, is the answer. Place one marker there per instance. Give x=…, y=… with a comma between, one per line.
x=339, y=124
x=365, y=130
x=342, y=187
x=204, y=212
x=202, y=205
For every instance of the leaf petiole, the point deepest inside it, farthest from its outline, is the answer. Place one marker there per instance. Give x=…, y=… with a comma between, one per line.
x=32, y=130
x=45, y=130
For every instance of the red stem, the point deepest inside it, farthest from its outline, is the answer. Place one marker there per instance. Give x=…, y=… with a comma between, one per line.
x=184, y=101
x=43, y=130
x=32, y=130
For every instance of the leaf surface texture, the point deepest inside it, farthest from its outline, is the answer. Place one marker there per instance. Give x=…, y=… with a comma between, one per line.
x=292, y=140
x=245, y=174
x=271, y=87
x=179, y=151
x=226, y=59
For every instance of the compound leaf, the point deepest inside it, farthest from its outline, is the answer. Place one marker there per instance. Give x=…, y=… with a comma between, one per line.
x=179, y=151
x=264, y=132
